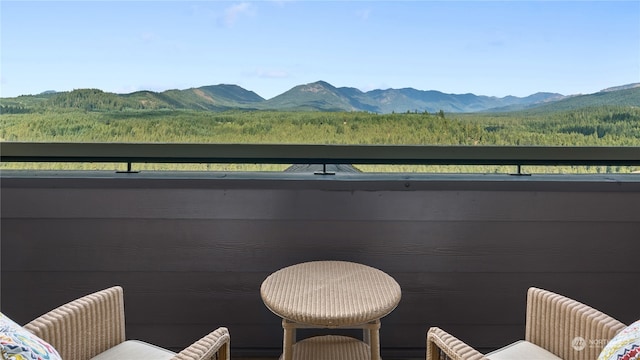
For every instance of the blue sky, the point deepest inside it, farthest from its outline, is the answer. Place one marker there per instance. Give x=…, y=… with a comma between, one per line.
x=494, y=48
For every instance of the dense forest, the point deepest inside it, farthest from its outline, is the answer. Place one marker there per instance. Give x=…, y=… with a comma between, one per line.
x=598, y=126
x=587, y=126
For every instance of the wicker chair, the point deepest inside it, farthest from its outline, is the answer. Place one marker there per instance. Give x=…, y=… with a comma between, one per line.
x=556, y=328
x=92, y=327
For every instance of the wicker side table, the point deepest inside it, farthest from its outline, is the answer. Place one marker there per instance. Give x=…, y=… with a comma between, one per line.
x=330, y=294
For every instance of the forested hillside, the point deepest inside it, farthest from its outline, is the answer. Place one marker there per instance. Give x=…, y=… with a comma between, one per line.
x=90, y=115
x=621, y=97
x=604, y=125
x=318, y=96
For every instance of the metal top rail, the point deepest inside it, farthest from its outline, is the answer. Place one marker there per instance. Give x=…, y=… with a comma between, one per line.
x=317, y=154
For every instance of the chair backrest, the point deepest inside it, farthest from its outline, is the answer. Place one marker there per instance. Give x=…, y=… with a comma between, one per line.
x=569, y=329
x=85, y=327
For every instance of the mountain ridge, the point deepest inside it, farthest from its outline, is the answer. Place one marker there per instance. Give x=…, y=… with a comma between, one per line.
x=322, y=96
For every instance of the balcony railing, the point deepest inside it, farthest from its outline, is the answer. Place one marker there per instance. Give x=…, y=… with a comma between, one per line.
x=202, y=246
x=317, y=154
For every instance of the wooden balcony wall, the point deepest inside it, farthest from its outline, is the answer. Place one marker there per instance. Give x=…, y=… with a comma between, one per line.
x=191, y=250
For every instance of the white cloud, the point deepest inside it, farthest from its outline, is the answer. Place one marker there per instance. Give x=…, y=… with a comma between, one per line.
x=232, y=13
x=363, y=14
x=280, y=2
x=148, y=36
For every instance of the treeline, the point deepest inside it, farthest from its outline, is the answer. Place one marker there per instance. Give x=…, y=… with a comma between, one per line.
x=92, y=100
x=597, y=126
x=590, y=126
x=226, y=97
x=15, y=109
x=607, y=125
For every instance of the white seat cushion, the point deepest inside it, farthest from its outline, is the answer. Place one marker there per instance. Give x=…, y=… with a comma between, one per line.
x=521, y=350
x=135, y=350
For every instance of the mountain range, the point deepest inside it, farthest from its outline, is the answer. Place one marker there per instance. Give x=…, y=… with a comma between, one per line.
x=322, y=96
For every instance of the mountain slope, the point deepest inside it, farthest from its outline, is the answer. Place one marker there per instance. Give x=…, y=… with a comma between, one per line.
x=628, y=96
x=215, y=97
x=622, y=87
x=320, y=96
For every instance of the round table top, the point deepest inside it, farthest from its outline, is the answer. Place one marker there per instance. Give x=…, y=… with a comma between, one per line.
x=330, y=293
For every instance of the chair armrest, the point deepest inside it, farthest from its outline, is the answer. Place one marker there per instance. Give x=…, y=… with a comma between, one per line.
x=85, y=327
x=444, y=346
x=214, y=346
x=566, y=327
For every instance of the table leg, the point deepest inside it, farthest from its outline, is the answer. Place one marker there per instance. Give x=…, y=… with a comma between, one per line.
x=289, y=339
x=374, y=339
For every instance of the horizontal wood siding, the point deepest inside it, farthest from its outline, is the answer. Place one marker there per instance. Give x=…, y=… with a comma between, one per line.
x=191, y=254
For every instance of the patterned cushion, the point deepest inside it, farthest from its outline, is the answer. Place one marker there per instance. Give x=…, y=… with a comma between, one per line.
x=624, y=346
x=16, y=343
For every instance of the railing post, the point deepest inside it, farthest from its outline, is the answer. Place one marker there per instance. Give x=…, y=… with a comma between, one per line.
x=324, y=171
x=520, y=173
x=129, y=171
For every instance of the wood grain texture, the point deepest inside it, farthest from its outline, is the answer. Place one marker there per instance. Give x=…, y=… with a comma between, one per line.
x=274, y=204
x=419, y=246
